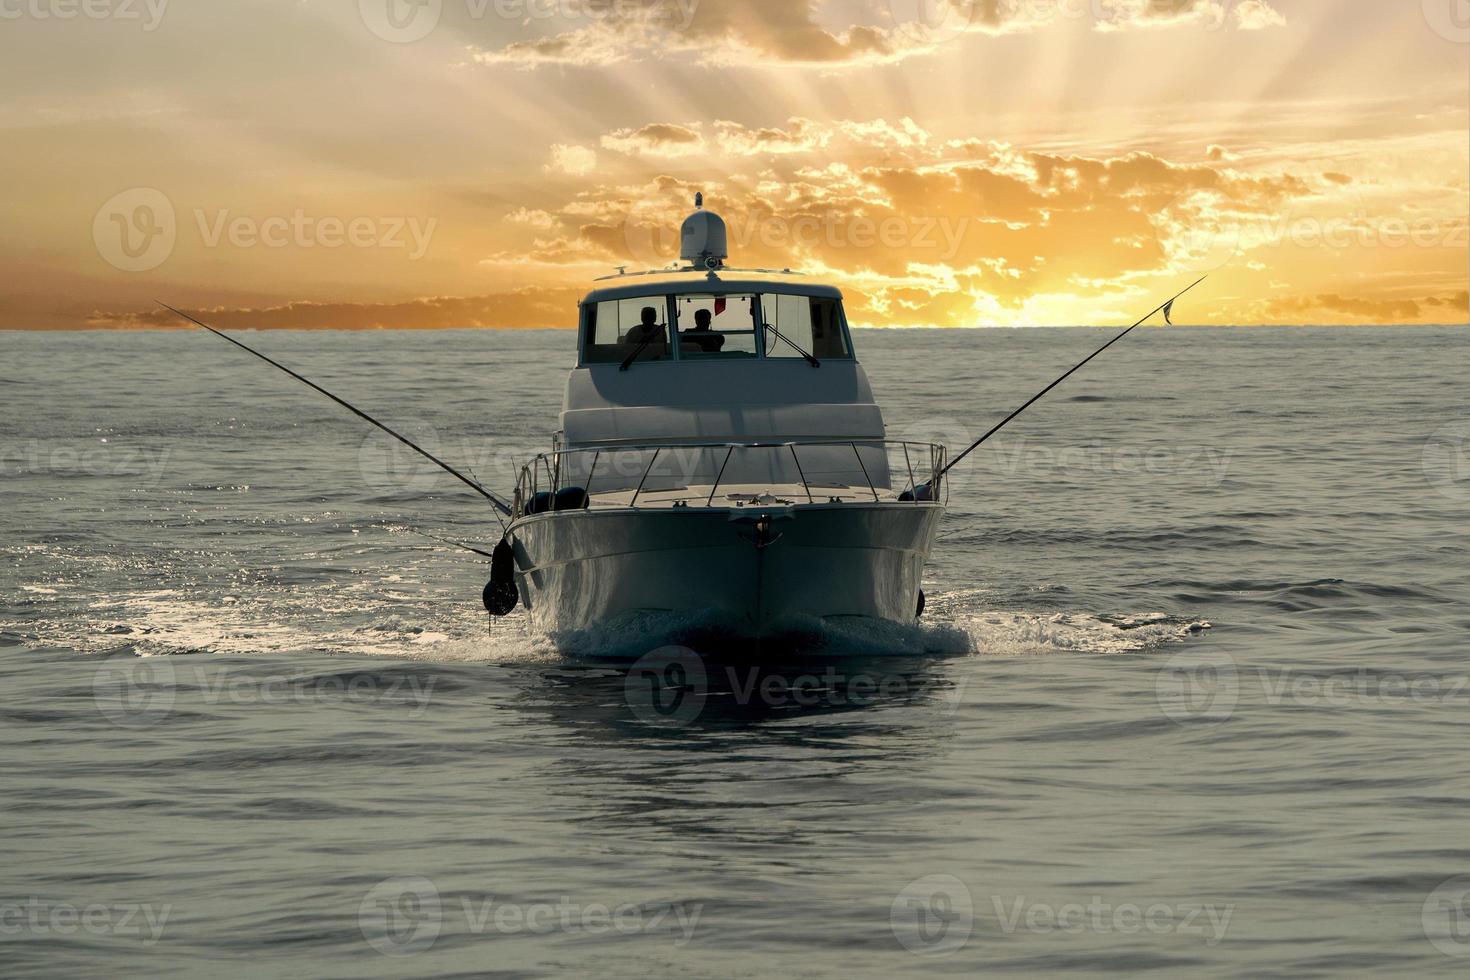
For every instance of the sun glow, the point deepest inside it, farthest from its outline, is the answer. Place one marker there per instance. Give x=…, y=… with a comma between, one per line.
x=980, y=166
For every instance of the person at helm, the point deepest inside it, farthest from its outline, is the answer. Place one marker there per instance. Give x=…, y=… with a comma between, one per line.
x=649, y=332
x=709, y=342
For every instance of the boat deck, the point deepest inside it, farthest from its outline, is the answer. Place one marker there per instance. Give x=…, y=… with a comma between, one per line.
x=729, y=495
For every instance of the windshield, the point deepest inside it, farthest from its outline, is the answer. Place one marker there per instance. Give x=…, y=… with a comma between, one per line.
x=619, y=329
x=716, y=326
x=799, y=325
x=713, y=326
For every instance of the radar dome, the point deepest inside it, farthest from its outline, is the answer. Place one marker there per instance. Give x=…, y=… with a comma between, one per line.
x=702, y=240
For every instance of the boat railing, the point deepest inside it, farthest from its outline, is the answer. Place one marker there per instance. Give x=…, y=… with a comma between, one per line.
x=571, y=479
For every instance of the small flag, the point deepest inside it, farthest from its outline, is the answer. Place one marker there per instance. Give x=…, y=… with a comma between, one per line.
x=719, y=305
x=1168, y=309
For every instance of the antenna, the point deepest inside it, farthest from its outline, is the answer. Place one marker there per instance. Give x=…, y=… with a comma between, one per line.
x=699, y=199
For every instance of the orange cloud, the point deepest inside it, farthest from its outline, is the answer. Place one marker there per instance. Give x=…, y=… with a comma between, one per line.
x=797, y=32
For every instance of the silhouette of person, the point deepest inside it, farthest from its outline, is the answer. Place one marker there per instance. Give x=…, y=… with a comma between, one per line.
x=708, y=341
x=648, y=331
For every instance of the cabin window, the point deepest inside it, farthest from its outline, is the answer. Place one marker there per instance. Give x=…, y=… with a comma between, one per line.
x=616, y=328
x=797, y=324
x=716, y=326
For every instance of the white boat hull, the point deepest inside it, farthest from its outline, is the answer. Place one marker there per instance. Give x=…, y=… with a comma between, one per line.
x=577, y=570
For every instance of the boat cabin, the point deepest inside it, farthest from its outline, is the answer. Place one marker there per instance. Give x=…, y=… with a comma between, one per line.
x=683, y=364
x=703, y=317
x=707, y=354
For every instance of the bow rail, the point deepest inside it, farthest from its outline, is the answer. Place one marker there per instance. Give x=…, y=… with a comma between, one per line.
x=731, y=474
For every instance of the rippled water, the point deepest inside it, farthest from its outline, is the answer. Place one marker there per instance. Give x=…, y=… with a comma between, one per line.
x=1188, y=697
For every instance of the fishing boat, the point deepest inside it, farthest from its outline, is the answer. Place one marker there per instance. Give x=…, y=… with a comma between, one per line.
x=720, y=460
x=720, y=455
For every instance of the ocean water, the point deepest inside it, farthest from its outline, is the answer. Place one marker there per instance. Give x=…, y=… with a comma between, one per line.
x=1189, y=696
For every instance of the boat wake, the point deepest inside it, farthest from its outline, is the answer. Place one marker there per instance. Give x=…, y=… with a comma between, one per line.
x=417, y=626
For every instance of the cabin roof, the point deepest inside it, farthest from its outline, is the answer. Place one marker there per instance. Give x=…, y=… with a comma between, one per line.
x=704, y=283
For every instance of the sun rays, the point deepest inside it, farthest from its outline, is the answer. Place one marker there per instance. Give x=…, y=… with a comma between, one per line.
x=993, y=168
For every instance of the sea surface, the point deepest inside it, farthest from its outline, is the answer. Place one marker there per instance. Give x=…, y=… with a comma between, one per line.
x=1191, y=696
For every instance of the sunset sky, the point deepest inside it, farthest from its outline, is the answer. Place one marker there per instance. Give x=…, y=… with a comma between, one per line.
x=428, y=163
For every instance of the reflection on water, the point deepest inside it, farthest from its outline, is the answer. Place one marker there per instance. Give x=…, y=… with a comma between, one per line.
x=677, y=743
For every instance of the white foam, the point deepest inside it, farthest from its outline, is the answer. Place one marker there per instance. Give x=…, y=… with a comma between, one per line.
x=361, y=619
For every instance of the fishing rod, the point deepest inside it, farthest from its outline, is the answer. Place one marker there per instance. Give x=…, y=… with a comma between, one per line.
x=458, y=544
x=1164, y=308
x=501, y=507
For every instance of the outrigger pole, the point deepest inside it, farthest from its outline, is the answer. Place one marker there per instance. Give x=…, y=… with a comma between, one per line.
x=1164, y=308
x=500, y=505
